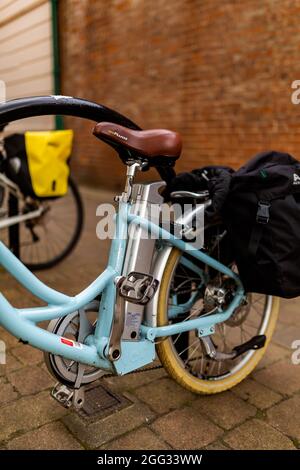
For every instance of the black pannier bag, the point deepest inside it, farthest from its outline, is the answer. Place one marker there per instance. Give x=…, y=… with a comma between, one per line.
x=16, y=166
x=262, y=215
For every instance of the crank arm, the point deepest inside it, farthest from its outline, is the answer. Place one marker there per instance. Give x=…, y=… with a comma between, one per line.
x=78, y=398
x=114, y=346
x=85, y=329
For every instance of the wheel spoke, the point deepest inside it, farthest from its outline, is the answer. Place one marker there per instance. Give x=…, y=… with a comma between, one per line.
x=240, y=327
x=58, y=230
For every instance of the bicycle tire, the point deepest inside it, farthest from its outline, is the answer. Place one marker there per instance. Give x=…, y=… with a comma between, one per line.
x=169, y=356
x=75, y=237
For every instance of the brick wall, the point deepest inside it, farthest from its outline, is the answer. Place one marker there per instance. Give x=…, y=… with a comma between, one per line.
x=218, y=72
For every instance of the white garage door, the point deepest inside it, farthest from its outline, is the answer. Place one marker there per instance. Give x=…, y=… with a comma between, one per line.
x=26, y=56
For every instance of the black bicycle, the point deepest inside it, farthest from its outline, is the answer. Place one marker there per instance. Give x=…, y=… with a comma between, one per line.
x=41, y=232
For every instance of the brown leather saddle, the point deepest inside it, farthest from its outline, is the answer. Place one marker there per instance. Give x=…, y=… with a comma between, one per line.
x=157, y=147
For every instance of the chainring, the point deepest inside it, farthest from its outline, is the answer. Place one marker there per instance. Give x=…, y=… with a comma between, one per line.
x=76, y=326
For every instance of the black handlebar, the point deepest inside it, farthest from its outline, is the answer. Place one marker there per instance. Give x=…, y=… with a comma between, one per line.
x=60, y=105
x=67, y=106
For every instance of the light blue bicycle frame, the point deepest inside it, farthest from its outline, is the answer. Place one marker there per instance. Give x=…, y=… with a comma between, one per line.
x=22, y=323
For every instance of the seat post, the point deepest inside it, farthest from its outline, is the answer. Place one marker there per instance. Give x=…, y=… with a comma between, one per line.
x=132, y=168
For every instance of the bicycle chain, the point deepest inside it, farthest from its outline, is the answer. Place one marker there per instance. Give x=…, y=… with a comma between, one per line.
x=139, y=371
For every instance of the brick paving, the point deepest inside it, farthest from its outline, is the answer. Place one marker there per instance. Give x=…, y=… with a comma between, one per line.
x=263, y=412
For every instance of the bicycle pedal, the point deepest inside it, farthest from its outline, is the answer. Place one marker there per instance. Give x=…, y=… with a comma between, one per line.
x=68, y=397
x=63, y=395
x=137, y=288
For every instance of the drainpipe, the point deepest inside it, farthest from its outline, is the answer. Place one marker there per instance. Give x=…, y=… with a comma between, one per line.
x=56, y=58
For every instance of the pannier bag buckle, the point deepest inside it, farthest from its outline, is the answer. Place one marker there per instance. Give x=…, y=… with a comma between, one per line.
x=263, y=212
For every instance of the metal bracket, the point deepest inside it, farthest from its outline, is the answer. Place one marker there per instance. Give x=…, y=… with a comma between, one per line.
x=212, y=352
x=209, y=330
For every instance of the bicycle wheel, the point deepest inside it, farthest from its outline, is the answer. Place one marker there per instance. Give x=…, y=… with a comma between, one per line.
x=183, y=355
x=48, y=239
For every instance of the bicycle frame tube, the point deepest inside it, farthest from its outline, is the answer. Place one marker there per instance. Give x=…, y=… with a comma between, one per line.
x=21, y=322
x=204, y=325
x=17, y=219
x=12, y=189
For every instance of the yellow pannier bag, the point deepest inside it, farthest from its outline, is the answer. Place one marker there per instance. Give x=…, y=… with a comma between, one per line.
x=47, y=154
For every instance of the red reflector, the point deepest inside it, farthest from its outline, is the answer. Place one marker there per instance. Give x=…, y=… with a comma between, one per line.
x=66, y=341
